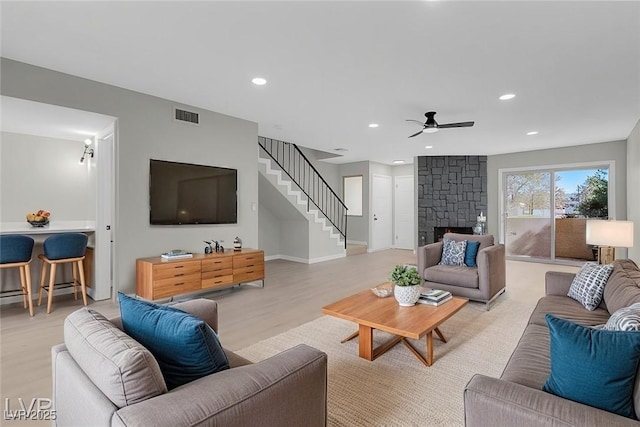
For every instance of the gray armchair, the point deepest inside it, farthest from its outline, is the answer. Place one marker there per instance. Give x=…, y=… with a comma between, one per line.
x=482, y=283
x=289, y=388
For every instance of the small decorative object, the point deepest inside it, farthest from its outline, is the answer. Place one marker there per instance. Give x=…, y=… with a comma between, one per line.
x=39, y=219
x=208, y=249
x=382, y=291
x=237, y=244
x=407, y=287
x=481, y=226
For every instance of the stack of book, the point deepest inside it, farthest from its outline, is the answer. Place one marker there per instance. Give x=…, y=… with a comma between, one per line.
x=177, y=253
x=434, y=297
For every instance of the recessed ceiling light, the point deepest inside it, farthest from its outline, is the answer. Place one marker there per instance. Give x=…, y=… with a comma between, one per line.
x=428, y=147
x=507, y=96
x=88, y=141
x=259, y=81
x=533, y=132
x=373, y=125
x=398, y=162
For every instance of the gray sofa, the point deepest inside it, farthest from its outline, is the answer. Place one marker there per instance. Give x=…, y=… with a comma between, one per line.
x=482, y=283
x=289, y=388
x=517, y=399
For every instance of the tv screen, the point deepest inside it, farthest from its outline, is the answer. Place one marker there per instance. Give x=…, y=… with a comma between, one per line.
x=181, y=193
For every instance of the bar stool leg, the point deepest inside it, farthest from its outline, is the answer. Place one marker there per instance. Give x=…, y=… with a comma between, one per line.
x=82, y=283
x=52, y=277
x=74, y=269
x=22, y=284
x=28, y=277
x=43, y=274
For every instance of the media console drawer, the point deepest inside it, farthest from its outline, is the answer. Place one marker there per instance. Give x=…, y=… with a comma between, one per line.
x=158, y=278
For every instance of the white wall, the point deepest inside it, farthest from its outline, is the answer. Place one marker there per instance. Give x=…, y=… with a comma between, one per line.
x=633, y=195
x=45, y=173
x=146, y=129
x=268, y=232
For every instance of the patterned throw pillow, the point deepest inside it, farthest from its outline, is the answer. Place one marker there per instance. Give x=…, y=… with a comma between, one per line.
x=453, y=252
x=625, y=319
x=588, y=285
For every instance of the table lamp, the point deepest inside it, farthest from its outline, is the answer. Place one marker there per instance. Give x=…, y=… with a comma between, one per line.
x=609, y=235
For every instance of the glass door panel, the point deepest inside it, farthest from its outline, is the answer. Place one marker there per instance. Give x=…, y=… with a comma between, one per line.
x=528, y=214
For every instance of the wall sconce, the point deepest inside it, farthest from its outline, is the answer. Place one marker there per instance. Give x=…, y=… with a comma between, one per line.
x=87, y=151
x=609, y=235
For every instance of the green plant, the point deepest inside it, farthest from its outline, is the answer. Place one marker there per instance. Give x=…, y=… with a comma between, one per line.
x=405, y=276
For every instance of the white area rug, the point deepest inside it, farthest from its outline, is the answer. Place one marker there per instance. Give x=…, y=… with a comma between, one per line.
x=397, y=389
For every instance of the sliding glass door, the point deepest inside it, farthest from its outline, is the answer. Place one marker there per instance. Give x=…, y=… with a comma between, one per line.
x=545, y=211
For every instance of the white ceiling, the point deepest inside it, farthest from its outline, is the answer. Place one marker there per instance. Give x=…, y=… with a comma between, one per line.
x=334, y=67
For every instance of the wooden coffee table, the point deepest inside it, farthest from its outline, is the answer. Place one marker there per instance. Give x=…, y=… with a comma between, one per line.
x=371, y=312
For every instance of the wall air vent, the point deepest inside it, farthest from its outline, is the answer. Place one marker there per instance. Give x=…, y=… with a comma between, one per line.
x=187, y=116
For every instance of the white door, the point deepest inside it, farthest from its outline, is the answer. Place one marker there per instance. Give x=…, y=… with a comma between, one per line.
x=403, y=216
x=103, y=256
x=381, y=213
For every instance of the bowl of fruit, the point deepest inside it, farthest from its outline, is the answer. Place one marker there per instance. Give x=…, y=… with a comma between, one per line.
x=38, y=219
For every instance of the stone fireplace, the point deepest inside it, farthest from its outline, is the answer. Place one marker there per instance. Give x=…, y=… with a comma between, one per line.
x=452, y=192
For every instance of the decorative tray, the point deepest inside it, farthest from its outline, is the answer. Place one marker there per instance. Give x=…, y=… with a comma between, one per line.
x=39, y=223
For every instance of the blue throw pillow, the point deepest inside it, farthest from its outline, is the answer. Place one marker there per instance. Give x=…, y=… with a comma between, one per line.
x=185, y=347
x=453, y=252
x=593, y=366
x=471, y=253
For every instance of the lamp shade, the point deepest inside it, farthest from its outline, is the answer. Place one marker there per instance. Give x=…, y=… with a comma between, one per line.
x=618, y=234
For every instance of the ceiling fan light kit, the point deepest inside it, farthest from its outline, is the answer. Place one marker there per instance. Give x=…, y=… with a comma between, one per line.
x=431, y=126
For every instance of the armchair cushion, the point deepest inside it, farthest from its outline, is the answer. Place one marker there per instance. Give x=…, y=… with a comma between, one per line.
x=185, y=347
x=453, y=252
x=123, y=370
x=470, y=253
x=465, y=277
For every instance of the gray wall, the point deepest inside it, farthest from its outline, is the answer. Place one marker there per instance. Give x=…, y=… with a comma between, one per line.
x=357, y=226
x=146, y=130
x=45, y=173
x=633, y=195
x=616, y=151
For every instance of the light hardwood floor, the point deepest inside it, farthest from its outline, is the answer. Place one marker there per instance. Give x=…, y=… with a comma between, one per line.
x=293, y=294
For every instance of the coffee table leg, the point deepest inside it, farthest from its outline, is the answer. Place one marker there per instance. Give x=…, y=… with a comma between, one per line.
x=429, y=360
x=365, y=344
x=350, y=337
x=442, y=338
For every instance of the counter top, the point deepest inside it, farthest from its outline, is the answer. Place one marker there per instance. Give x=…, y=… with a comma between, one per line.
x=53, y=227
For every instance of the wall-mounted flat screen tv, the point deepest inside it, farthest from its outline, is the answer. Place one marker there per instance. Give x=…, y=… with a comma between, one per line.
x=182, y=193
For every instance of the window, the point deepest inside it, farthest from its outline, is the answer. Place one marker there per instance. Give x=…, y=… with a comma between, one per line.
x=545, y=210
x=352, y=187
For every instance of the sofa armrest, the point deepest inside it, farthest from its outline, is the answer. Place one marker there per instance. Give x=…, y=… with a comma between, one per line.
x=491, y=269
x=494, y=402
x=245, y=396
x=202, y=308
x=557, y=282
x=428, y=256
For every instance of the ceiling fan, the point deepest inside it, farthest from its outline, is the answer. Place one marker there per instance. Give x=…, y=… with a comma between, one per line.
x=431, y=126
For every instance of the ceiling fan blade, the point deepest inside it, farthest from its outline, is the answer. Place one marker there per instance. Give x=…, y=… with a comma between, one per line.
x=415, y=134
x=456, y=125
x=415, y=121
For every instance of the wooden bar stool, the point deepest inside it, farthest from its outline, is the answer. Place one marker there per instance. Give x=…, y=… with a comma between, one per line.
x=62, y=249
x=15, y=252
